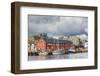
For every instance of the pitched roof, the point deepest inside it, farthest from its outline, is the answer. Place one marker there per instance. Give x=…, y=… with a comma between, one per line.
x=52, y=40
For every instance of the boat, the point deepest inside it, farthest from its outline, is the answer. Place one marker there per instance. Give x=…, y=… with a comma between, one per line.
x=71, y=50
x=43, y=53
x=56, y=52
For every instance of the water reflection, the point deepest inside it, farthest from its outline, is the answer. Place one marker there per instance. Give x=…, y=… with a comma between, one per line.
x=65, y=56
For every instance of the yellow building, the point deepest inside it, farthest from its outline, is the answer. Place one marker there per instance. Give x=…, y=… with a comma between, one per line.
x=75, y=40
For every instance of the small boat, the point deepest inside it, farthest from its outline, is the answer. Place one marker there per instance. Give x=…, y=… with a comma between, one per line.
x=71, y=50
x=43, y=53
x=56, y=52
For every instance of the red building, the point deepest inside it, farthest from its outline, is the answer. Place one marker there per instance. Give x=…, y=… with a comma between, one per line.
x=52, y=44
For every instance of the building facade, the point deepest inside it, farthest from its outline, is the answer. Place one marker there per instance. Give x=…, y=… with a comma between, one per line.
x=75, y=40
x=51, y=44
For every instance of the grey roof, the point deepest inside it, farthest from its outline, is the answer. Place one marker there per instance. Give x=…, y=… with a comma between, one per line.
x=52, y=40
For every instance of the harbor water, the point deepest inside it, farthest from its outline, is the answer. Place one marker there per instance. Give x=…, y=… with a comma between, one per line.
x=63, y=56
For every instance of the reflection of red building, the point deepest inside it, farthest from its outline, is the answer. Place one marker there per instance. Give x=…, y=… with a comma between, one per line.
x=52, y=44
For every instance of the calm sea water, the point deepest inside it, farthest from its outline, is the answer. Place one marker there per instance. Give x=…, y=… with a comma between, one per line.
x=65, y=56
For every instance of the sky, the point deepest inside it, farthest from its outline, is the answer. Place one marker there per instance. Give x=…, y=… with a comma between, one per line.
x=57, y=25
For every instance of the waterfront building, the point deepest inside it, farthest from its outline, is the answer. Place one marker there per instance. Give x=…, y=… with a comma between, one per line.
x=76, y=40
x=51, y=44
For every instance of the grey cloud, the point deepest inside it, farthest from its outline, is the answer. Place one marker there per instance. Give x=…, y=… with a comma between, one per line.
x=57, y=25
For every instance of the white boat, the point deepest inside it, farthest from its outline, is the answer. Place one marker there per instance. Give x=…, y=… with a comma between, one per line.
x=71, y=50
x=56, y=52
x=43, y=53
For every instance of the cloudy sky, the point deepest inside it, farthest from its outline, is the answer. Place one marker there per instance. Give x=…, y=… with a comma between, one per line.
x=57, y=25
